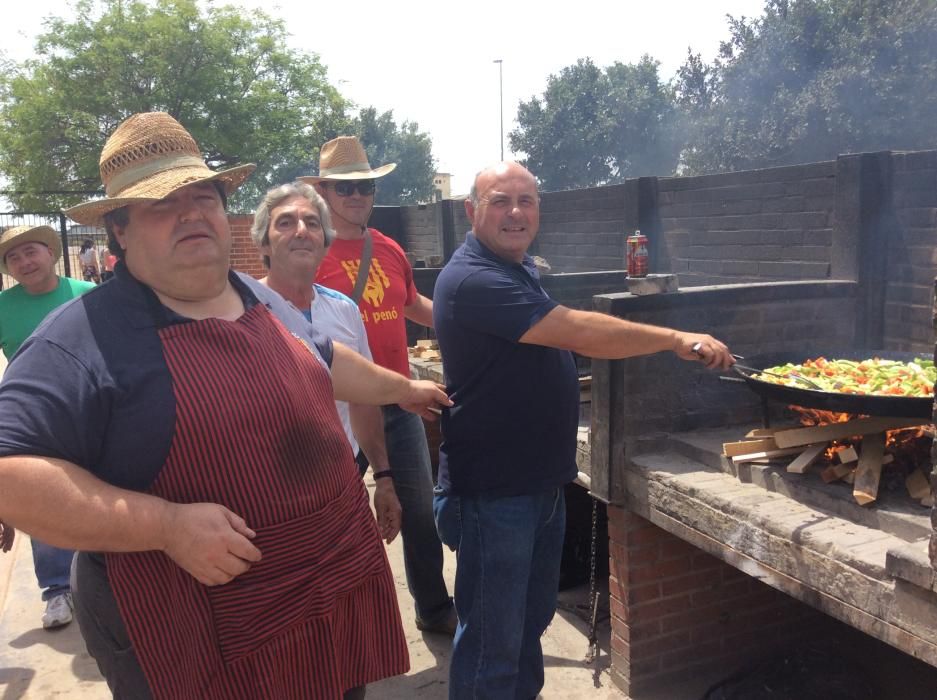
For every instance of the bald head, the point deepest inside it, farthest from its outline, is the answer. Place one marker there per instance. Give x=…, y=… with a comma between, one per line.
x=493, y=171
x=504, y=208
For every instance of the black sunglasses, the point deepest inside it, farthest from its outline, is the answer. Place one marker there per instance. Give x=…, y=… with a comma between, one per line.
x=346, y=188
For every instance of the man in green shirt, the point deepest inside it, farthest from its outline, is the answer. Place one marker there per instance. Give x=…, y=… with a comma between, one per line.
x=28, y=254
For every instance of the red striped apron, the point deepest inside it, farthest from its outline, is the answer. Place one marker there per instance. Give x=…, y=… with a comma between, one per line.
x=257, y=431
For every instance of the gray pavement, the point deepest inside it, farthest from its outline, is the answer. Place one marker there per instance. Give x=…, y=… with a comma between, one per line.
x=36, y=664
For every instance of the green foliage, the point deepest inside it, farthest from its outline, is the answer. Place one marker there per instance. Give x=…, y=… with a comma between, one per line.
x=812, y=79
x=595, y=127
x=411, y=182
x=225, y=75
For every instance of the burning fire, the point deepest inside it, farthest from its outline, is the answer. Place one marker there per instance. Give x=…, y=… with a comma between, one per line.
x=904, y=443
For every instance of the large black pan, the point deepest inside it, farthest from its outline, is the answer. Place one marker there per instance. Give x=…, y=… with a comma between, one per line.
x=897, y=406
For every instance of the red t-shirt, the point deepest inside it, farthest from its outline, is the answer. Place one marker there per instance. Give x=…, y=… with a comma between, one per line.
x=389, y=288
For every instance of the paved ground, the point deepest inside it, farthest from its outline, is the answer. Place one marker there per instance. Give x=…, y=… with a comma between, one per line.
x=37, y=665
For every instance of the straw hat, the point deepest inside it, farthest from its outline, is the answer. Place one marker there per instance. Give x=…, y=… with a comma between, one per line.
x=344, y=158
x=18, y=235
x=148, y=157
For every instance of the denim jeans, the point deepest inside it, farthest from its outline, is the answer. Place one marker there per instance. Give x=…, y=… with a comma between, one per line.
x=413, y=481
x=507, y=577
x=53, y=568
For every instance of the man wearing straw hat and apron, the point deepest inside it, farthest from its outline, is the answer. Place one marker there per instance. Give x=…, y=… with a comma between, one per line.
x=177, y=426
x=29, y=254
x=372, y=269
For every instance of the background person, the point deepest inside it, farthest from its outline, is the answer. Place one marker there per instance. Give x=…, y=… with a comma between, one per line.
x=29, y=254
x=509, y=441
x=88, y=257
x=364, y=258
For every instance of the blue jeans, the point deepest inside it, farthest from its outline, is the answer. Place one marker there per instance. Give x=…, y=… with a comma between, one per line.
x=507, y=577
x=409, y=460
x=53, y=568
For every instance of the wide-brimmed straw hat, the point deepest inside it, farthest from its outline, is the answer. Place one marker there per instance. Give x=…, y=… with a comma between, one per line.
x=344, y=158
x=18, y=235
x=148, y=157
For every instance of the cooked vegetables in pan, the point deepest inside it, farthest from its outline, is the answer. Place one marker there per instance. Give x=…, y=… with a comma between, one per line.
x=871, y=377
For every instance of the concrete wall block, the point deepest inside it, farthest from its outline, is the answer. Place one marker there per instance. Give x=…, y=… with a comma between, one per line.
x=813, y=253
x=793, y=270
x=738, y=206
x=915, y=160
x=808, y=220
x=917, y=217
x=916, y=198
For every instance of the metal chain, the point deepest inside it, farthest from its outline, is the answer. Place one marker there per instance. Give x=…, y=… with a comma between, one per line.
x=593, y=652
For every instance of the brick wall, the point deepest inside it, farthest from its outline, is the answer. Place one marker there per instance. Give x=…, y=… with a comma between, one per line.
x=676, y=610
x=244, y=254
x=912, y=252
x=758, y=225
x=583, y=230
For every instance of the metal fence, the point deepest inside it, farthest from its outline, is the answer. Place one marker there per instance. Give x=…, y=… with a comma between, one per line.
x=71, y=234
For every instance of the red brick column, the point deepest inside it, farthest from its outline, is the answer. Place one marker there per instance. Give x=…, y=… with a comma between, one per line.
x=676, y=610
x=244, y=255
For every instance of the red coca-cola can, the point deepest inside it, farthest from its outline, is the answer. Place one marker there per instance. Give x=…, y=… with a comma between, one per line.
x=637, y=254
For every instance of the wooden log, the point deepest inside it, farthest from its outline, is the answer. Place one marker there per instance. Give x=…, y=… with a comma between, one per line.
x=869, y=471
x=928, y=501
x=847, y=455
x=424, y=343
x=731, y=449
x=850, y=478
x=918, y=485
x=762, y=432
x=837, y=431
x=834, y=472
x=767, y=454
x=806, y=458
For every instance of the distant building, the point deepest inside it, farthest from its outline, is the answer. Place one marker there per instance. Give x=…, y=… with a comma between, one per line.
x=441, y=186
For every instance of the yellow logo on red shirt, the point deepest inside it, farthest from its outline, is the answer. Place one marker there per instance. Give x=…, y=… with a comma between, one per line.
x=377, y=280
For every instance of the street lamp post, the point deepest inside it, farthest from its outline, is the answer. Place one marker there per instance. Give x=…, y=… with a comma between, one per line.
x=500, y=63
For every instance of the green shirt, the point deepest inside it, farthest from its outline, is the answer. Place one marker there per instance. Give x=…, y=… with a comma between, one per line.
x=22, y=312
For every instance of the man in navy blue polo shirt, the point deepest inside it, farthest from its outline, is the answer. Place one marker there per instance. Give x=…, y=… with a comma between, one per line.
x=509, y=441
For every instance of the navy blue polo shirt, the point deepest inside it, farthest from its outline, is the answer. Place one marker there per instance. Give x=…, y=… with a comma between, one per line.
x=91, y=385
x=512, y=429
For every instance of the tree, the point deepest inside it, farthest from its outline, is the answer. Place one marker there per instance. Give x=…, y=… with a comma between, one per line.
x=411, y=181
x=811, y=79
x=595, y=127
x=223, y=74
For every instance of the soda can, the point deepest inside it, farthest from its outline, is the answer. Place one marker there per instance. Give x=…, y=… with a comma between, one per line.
x=637, y=254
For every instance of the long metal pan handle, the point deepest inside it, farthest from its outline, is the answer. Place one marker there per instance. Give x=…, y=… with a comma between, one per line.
x=792, y=375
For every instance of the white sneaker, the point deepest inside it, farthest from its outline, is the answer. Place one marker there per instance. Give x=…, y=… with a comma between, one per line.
x=58, y=611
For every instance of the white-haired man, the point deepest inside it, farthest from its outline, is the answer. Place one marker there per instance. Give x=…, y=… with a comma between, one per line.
x=292, y=230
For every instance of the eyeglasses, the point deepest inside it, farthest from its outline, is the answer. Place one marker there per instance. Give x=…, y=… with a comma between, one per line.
x=346, y=188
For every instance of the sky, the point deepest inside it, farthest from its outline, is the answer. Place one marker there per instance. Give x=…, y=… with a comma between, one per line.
x=433, y=62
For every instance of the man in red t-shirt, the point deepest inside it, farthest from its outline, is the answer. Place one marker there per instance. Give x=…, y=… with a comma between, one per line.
x=373, y=270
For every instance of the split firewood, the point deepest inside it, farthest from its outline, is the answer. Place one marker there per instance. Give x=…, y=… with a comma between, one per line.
x=869, y=471
x=424, y=343
x=806, y=458
x=835, y=472
x=850, y=478
x=731, y=449
x=838, y=431
x=918, y=485
x=766, y=454
x=762, y=432
x=928, y=501
x=847, y=454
